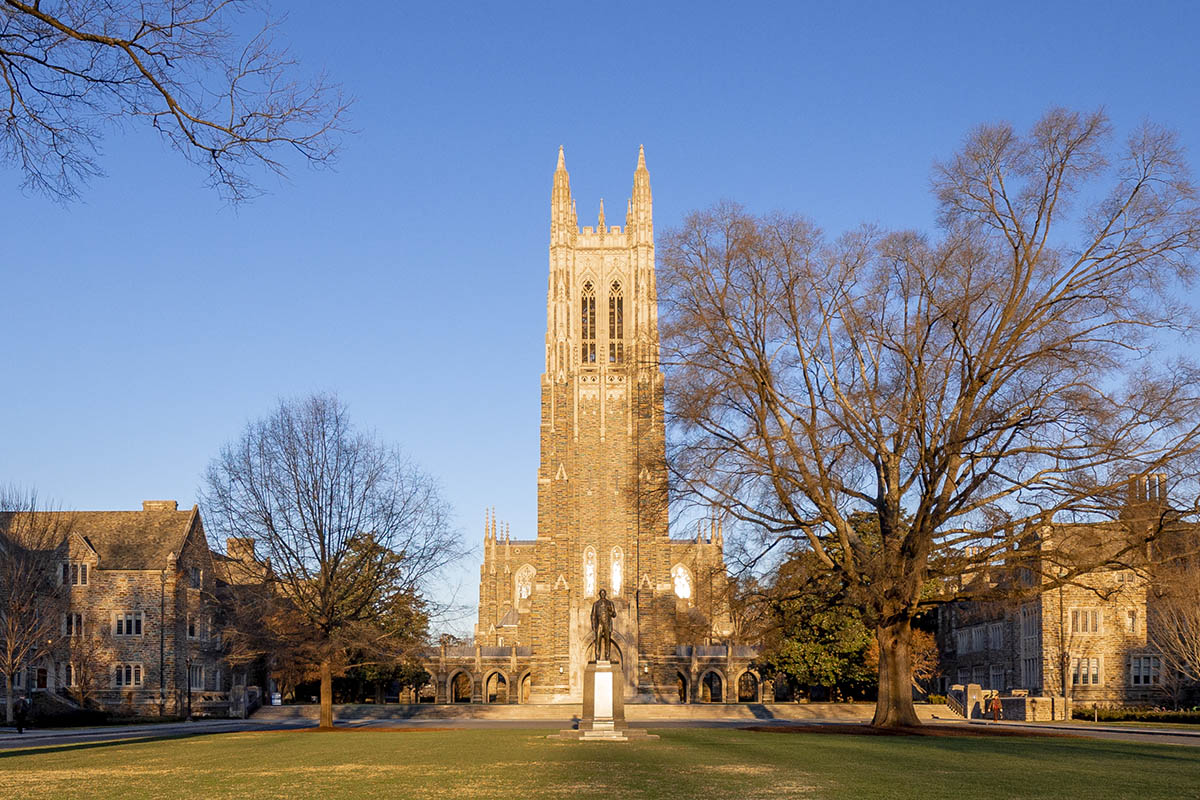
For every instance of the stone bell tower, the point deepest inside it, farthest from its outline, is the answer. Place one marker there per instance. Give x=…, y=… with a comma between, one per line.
x=602, y=520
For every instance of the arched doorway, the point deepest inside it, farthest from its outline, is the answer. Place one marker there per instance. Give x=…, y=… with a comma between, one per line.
x=495, y=688
x=526, y=688
x=460, y=688
x=681, y=685
x=711, y=687
x=747, y=688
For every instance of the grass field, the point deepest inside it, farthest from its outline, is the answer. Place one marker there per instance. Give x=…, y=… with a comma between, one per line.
x=698, y=764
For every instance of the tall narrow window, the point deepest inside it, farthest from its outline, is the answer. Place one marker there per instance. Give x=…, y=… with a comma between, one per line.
x=589, y=572
x=587, y=319
x=616, y=324
x=616, y=570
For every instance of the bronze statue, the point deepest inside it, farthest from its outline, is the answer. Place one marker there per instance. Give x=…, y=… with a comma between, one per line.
x=603, y=613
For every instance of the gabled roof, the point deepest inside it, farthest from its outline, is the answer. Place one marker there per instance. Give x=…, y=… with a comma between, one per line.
x=131, y=539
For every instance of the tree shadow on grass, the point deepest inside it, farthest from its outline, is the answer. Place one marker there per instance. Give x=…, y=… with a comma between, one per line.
x=66, y=748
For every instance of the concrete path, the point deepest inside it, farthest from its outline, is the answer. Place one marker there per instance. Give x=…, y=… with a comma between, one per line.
x=1116, y=732
x=541, y=717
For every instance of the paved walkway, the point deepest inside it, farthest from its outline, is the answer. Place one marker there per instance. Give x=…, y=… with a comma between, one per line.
x=1117, y=732
x=543, y=717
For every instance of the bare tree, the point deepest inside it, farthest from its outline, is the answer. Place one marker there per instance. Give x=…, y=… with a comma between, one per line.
x=344, y=522
x=32, y=597
x=232, y=104
x=1173, y=625
x=965, y=390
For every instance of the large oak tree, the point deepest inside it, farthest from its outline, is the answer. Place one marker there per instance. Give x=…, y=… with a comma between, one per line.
x=964, y=387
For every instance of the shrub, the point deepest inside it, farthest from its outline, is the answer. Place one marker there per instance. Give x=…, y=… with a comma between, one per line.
x=1136, y=714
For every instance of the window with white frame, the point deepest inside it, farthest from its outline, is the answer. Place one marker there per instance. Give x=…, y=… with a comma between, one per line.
x=962, y=641
x=964, y=675
x=75, y=573
x=978, y=674
x=128, y=675
x=1144, y=670
x=996, y=677
x=1085, y=671
x=996, y=637
x=72, y=624
x=1085, y=620
x=195, y=677
x=127, y=623
x=977, y=638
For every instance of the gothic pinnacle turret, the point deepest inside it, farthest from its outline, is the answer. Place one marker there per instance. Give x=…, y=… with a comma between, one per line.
x=562, y=207
x=640, y=219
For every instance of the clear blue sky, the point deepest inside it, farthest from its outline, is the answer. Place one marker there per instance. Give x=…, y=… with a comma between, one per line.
x=144, y=326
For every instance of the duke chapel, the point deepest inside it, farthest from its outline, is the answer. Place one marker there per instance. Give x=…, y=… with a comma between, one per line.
x=601, y=491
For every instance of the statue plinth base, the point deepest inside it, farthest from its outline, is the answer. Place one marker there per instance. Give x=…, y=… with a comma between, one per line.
x=603, y=717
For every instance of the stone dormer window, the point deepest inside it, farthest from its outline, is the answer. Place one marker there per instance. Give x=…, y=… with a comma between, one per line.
x=74, y=573
x=616, y=324
x=587, y=317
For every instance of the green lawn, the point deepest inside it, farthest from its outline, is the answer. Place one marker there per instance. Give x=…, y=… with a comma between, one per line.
x=698, y=764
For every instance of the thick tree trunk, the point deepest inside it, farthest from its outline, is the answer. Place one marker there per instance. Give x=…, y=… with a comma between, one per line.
x=894, y=707
x=326, y=694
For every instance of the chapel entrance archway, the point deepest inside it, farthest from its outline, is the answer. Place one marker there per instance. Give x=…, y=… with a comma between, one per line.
x=747, y=688
x=711, y=686
x=495, y=688
x=460, y=688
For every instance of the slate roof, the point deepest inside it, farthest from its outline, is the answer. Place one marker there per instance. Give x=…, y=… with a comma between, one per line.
x=132, y=539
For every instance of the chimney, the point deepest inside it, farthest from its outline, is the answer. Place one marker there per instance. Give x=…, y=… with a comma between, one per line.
x=240, y=548
x=160, y=505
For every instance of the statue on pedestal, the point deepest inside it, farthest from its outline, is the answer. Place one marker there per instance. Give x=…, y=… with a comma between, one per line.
x=603, y=613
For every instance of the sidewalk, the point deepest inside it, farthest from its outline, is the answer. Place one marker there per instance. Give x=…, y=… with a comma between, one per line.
x=1091, y=729
x=41, y=737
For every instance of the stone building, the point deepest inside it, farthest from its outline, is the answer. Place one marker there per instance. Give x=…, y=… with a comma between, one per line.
x=138, y=624
x=601, y=490
x=1084, y=639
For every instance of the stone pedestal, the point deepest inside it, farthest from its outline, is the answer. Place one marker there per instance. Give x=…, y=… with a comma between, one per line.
x=603, y=716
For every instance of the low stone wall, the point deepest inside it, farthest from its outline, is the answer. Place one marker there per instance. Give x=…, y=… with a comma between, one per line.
x=1035, y=709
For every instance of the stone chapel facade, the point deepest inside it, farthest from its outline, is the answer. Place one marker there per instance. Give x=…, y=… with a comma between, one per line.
x=601, y=499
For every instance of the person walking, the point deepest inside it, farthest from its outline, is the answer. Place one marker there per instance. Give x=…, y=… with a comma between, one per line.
x=20, y=712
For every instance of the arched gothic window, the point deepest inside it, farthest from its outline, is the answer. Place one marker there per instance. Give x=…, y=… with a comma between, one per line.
x=682, y=580
x=589, y=572
x=616, y=570
x=616, y=324
x=523, y=583
x=587, y=317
